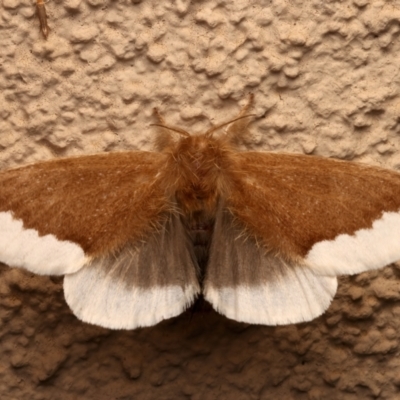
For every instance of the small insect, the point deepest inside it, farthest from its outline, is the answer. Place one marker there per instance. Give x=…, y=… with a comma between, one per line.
x=41, y=12
x=140, y=235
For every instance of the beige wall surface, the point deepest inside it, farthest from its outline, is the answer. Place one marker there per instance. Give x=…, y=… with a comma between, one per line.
x=326, y=79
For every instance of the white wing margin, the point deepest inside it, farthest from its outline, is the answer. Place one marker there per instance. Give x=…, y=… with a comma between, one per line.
x=249, y=285
x=139, y=286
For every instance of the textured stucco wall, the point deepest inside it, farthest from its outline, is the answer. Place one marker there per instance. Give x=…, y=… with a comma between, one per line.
x=326, y=79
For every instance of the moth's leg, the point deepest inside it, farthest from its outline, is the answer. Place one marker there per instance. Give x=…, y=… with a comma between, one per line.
x=248, y=106
x=41, y=12
x=164, y=138
x=159, y=118
x=238, y=131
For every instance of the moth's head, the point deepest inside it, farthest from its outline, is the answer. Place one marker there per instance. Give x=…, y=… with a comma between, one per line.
x=171, y=137
x=196, y=149
x=191, y=151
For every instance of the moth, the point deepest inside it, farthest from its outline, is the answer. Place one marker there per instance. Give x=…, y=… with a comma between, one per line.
x=140, y=235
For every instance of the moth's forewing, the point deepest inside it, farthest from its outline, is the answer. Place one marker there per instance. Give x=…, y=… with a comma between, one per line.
x=96, y=202
x=337, y=217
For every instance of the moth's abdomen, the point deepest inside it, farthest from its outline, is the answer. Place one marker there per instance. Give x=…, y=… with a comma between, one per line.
x=200, y=227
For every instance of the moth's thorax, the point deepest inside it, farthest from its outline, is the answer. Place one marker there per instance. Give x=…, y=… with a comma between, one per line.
x=198, y=163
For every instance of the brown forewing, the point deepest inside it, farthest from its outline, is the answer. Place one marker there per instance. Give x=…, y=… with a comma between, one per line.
x=99, y=201
x=293, y=201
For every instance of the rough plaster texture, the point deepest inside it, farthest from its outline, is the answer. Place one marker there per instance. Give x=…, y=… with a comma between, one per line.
x=326, y=79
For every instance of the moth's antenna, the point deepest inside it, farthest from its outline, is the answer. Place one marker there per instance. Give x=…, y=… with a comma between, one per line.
x=180, y=131
x=215, y=128
x=161, y=124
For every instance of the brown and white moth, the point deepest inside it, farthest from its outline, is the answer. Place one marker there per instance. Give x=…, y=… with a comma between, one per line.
x=139, y=235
